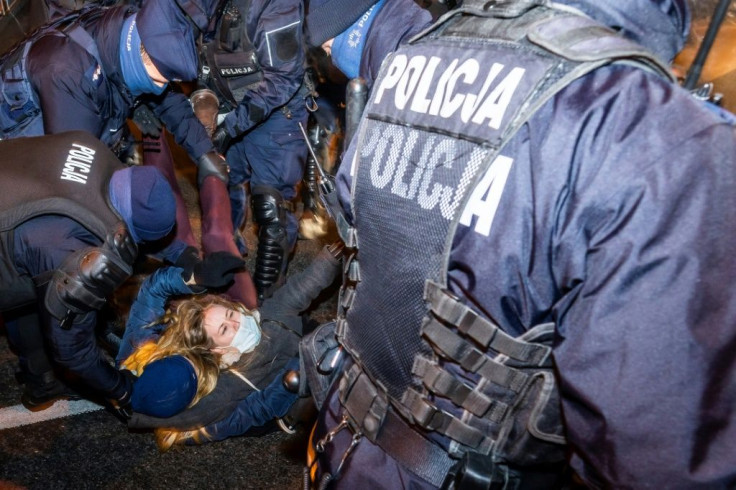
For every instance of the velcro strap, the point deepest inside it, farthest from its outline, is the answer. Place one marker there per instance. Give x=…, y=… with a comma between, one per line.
x=352, y=268
x=428, y=416
x=346, y=231
x=341, y=326
x=396, y=437
x=346, y=296
x=365, y=404
x=442, y=383
x=413, y=451
x=471, y=359
x=451, y=310
x=583, y=39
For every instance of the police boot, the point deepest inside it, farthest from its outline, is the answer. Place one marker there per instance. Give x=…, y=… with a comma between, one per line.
x=42, y=391
x=270, y=215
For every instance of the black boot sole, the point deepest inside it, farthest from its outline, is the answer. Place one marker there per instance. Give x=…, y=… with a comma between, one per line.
x=38, y=405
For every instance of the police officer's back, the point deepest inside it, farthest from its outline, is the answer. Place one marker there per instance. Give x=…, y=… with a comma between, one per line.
x=536, y=202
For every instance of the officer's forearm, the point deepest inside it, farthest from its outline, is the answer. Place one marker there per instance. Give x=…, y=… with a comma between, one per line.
x=76, y=349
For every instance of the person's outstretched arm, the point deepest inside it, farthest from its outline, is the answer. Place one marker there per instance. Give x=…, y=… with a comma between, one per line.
x=256, y=410
x=150, y=305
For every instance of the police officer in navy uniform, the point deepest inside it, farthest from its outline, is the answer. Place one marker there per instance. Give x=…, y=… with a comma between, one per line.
x=362, y=35
x=254, y=60
x=72, y=217
x=542, y=272
x=119, y=61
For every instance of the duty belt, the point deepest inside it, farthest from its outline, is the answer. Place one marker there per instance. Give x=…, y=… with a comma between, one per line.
x=369, y=413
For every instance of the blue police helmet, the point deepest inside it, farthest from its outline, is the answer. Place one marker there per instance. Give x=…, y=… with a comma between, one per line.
x=166, y=387
x=143, y=198
x=327, y=18
x=169, y=38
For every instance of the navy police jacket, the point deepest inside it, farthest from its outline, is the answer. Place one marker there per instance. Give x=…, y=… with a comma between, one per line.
x=74, y=92
x=275, y=29
x=397, y=21
x=616, y=221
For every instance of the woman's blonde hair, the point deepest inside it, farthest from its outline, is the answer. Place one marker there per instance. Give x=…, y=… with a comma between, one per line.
x=185, y=335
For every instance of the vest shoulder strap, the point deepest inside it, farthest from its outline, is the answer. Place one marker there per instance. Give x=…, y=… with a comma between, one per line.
x=582, y=39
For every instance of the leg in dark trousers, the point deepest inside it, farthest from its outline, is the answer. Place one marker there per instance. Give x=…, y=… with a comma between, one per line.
x=41, y=386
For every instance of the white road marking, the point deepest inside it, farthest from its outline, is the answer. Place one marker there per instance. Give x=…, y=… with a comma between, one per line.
x=18, y=415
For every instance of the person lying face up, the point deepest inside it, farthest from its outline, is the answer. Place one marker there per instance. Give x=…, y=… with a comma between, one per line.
x=209, y=368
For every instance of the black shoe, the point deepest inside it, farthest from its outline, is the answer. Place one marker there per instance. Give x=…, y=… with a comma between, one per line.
x=39, y=396
x=302, y=413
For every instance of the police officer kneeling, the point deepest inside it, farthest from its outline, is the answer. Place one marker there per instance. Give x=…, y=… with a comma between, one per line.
x=71, y=216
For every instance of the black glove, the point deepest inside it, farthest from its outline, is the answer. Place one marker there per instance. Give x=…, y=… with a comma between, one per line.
x=122, y=407
x=212, y=163
x=217, y=269
x=146, y=120
x=187, y=260
x=221, y=139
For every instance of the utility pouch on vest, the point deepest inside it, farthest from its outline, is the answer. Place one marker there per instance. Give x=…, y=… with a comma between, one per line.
x=320, y=359
x=230, y=74
x=229, y=61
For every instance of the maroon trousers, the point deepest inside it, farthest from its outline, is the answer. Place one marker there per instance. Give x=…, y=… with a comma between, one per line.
x=217, y=226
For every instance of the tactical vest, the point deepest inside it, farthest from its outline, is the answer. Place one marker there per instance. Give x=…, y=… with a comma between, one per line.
x=229, y=64
x=65, y=174
x=441, y=111
x=20, y=111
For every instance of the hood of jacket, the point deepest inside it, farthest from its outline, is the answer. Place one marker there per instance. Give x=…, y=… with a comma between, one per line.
x=659, y=25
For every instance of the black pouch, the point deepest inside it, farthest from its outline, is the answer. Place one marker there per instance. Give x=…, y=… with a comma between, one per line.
x=320, y=361
x=230, y=73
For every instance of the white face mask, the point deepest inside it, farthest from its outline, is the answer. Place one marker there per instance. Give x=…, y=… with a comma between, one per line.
x=248, y=335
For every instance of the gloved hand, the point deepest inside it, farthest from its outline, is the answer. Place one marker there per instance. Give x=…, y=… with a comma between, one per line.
x=212, y=163
x=221, y=139
x=146, y=120
x=122, y=406
x=217, y=269
x=187, y=260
